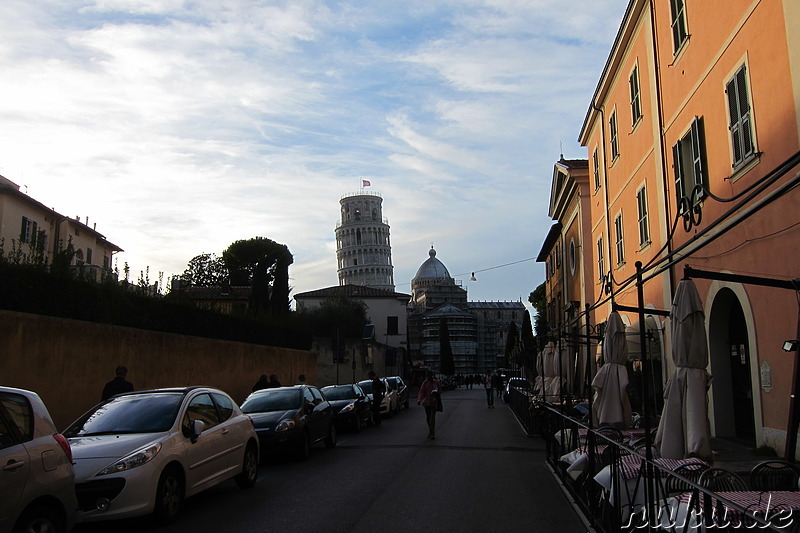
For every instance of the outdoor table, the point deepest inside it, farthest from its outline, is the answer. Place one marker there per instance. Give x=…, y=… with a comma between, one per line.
x=777, y=507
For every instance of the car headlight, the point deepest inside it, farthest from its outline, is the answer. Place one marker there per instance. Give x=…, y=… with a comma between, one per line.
x=137, y=458
x=347, y=408
x=284, y=425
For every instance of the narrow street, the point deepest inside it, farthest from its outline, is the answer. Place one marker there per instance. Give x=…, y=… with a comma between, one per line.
x=480, y=474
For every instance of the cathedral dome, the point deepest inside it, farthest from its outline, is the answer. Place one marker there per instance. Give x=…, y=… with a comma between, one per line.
x=432, y=268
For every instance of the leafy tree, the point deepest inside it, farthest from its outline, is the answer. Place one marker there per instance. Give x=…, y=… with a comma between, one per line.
x=512, y=342
x=264, y=265
x=529, y=348
x=538, y=299
x=347, y=314
x=447, y=365
x=206, y=270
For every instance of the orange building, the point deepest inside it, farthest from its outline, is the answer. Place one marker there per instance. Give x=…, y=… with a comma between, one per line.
x=693, y=138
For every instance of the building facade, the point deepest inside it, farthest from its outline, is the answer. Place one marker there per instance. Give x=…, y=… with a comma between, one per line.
x=33, y=232
x=566, y=254
x=477, y=330
x=693, y=138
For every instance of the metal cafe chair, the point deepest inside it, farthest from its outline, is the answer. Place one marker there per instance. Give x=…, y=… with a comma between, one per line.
x=775, y=474
x=690, y=471
x=721, y=480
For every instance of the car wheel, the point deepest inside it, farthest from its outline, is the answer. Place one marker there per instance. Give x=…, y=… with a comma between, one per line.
x=330, y=440
x=397, y=408
x=304, y=450
x=247, y=478
x=40, y=519
x=169, y=495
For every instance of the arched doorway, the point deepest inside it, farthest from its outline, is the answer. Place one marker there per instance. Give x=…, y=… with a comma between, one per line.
x=730, y=356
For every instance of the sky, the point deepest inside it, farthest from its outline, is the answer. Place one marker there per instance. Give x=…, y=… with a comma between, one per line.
x=181, y=126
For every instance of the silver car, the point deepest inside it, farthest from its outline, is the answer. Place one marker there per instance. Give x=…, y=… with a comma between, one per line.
x=144, y=452
x=36, y=481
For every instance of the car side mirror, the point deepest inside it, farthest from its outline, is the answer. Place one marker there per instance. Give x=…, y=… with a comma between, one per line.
x=197, y=428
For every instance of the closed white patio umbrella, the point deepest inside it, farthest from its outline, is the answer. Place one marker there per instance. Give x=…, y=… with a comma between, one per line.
x=538, y=382
x=684, y=430
x=552, y=381
x=611, y=405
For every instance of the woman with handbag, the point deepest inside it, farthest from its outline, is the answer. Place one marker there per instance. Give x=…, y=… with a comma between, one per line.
x=430, y=396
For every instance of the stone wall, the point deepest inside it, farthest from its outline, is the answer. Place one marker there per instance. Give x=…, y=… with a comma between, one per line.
x=67, y=362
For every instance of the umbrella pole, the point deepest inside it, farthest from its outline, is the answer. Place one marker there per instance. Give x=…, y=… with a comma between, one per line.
x=589, y=366
x=649, y=485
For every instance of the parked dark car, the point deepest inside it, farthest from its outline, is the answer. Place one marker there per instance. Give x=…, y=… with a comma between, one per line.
x=291, y=419
x=397, y=383
x=515, y=383
x=351, y=407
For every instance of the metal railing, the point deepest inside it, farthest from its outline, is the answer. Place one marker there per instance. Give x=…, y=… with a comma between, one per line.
x=619, y=488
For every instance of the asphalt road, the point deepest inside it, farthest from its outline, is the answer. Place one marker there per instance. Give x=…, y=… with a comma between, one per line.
x=480, y=474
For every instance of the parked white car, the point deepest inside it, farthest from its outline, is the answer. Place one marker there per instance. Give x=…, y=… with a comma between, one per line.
x=389, y=405
x=145, y=452
x=36, y=481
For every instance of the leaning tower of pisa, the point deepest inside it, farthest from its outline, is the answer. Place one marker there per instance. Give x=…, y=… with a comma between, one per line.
x=363, y=250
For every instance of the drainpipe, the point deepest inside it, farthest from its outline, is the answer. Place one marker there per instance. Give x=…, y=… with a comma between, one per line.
x=660, y=118
x=607, y=240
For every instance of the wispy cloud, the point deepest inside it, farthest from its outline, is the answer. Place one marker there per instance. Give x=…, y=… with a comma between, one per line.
x=180, y=127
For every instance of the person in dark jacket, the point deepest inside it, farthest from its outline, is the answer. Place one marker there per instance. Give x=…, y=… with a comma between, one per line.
x=262, y=383
x=117, y=385
x=273, y=382
x=378, y=390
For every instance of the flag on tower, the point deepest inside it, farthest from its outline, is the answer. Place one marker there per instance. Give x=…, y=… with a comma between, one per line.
x=365, y=183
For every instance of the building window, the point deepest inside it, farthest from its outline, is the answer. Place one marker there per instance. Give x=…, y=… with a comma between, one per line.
x=687, y=155
x=644, y=227
x=740, y=118
x=596, y=163
x=558, y=256
x=88, y=256
x=620, y=241
x=612, y=126
x=601, y=267
x=679, y=33
x=392, y=325
x=636, y=103
x=28, y=231
x=572, y=257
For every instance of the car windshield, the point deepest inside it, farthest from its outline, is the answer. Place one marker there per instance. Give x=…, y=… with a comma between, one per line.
x=135, y=413
x=366, y=386
x=392, y=383
x=273, y=400
x=345, y=392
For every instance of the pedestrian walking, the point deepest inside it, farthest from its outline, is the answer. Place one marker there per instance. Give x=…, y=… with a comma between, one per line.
x=273, y=382
x=488, y=386
x=117, y=385
x=378, y=391
x=497, y=383
x=430, y=396
x=301, y=380
x=262, y=383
